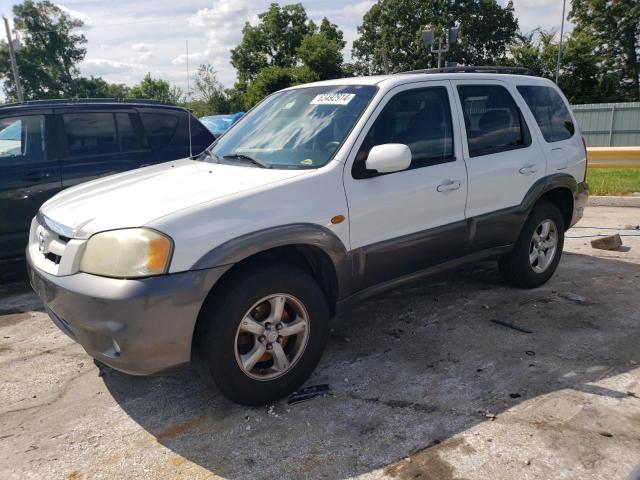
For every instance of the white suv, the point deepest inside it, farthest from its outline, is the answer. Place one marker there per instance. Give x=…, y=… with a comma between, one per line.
x=321, y=195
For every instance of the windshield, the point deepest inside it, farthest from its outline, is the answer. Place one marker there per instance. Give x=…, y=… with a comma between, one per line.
x=295, y=129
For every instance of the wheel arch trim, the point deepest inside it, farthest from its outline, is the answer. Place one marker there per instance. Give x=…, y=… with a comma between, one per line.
x=296, y=234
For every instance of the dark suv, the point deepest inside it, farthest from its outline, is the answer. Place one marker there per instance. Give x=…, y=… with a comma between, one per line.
x=46, y=146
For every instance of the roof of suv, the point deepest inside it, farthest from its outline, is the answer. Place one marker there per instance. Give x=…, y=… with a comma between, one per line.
x=456, y=73
x=89, y=103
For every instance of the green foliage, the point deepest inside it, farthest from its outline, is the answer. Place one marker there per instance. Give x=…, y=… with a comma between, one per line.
x=390, y=35
x=157, y=89
x=321, y=52
x=284, y=49
x=615, y=28
x=613, y=181
x=51, y=51
x=581, y=77
x=96, y=87
x=210, y=94
x=272, y=79
x=271, y=43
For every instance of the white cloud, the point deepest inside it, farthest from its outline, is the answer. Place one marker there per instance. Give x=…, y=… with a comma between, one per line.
x=103, y=66
x=86, y=19
x=141, y=47
x=545, y=14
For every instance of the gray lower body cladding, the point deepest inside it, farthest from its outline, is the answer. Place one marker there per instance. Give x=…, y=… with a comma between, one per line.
x=140, y=327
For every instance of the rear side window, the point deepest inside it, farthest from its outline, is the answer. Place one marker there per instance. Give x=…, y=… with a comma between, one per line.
x=492, y=119
x=160, y=128
x=22, y=139
x=550, y=112
x=90, y=134
x=126, y=133
x=420, y=119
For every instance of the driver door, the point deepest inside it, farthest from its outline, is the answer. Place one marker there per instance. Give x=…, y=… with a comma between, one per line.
x=407, y=221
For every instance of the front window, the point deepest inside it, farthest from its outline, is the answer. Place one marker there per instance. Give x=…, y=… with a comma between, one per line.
x=22, y=139
x=295, y=129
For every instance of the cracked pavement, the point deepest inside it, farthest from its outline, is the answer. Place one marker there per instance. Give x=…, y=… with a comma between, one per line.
x=424, y=385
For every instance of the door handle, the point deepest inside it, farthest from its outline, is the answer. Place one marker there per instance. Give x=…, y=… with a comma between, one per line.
x=449, y=186
x=528, y=169
x=35, y=176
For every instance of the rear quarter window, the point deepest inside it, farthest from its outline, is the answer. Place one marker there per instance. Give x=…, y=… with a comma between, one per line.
x=550, y=111
x=160, y=128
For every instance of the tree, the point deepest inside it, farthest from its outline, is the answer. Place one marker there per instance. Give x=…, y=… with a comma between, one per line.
x=581, y=77
x=615, y=25
x=271, y=43
x=210, y=91
x=156, y=89
x=50, y=53
x=390, y=38
x=96, y=87
x=321, y=51
x=283, y=49
x=269, y=80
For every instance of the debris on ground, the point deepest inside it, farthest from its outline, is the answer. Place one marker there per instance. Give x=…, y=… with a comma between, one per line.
x=610, y=242
x=308, y=393
x=632, y=227
x=491, y=416
x=573, y=296
x=512, y=326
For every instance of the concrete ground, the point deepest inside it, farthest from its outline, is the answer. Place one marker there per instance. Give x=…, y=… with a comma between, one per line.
x=424, y=385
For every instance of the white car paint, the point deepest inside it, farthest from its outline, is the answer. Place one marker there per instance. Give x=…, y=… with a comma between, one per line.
x=201, y=205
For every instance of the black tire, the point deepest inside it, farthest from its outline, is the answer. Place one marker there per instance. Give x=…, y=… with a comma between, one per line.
x=215, y=355
x=516, y=267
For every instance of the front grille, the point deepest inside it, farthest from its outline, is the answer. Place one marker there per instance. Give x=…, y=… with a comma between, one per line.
x=52, y=257
x=51, y=250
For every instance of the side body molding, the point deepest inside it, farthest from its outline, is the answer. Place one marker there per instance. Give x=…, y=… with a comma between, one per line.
x=309, y=234
x=503, y=226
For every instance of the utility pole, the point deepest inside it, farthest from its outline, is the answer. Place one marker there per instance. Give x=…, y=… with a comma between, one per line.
x=564, y=6
x=14, y=64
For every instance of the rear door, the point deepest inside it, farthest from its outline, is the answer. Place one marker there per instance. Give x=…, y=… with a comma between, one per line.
x=29, y=175
x=502, y=161
x=556, y=130
x=97, y=143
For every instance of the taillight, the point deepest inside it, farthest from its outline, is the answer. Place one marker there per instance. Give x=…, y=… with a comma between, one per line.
x=586, y=157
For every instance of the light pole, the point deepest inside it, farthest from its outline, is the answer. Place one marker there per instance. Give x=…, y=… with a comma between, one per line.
x=450, y=37
x=14, y=64
x=564, y=5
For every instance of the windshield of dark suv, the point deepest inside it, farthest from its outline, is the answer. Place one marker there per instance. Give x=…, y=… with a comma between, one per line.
x=294, y=129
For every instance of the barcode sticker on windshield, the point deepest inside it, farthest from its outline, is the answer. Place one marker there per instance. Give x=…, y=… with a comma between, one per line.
x=333, y=99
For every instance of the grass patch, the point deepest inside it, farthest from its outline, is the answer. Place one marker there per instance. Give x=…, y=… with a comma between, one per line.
x=613, y=181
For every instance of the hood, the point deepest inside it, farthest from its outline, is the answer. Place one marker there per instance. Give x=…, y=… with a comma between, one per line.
x=135, y=198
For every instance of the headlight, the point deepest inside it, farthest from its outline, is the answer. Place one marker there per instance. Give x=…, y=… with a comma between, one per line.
x=132, y=252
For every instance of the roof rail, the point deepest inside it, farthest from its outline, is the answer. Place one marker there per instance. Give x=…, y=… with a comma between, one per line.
x=53, y=101
x=475, y=69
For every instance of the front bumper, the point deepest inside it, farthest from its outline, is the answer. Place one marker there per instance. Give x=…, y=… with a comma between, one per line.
x=140, y=327
x=580, y=198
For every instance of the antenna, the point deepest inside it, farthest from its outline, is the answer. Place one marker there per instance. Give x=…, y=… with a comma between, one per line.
x=189, y=102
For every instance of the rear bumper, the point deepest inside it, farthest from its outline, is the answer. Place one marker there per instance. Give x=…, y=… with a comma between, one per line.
x=140, y=327
x=580, y=198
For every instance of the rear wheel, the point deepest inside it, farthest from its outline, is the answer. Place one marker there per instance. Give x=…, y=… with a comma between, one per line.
x=538, y=250
x=264, y=334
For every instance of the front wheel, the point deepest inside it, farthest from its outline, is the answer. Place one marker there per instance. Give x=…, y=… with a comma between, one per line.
x=264, y=335
x=537, y=252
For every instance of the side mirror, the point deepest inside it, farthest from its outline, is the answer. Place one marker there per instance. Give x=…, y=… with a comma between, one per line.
x=390, y=157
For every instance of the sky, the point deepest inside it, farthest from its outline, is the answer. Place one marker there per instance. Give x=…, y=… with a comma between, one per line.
x=128, y=38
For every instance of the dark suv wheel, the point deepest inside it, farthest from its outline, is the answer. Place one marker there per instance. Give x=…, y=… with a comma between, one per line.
x=264, y=334
x=538, y=249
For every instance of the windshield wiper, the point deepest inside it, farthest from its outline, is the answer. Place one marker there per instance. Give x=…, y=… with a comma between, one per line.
x=242, y=156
